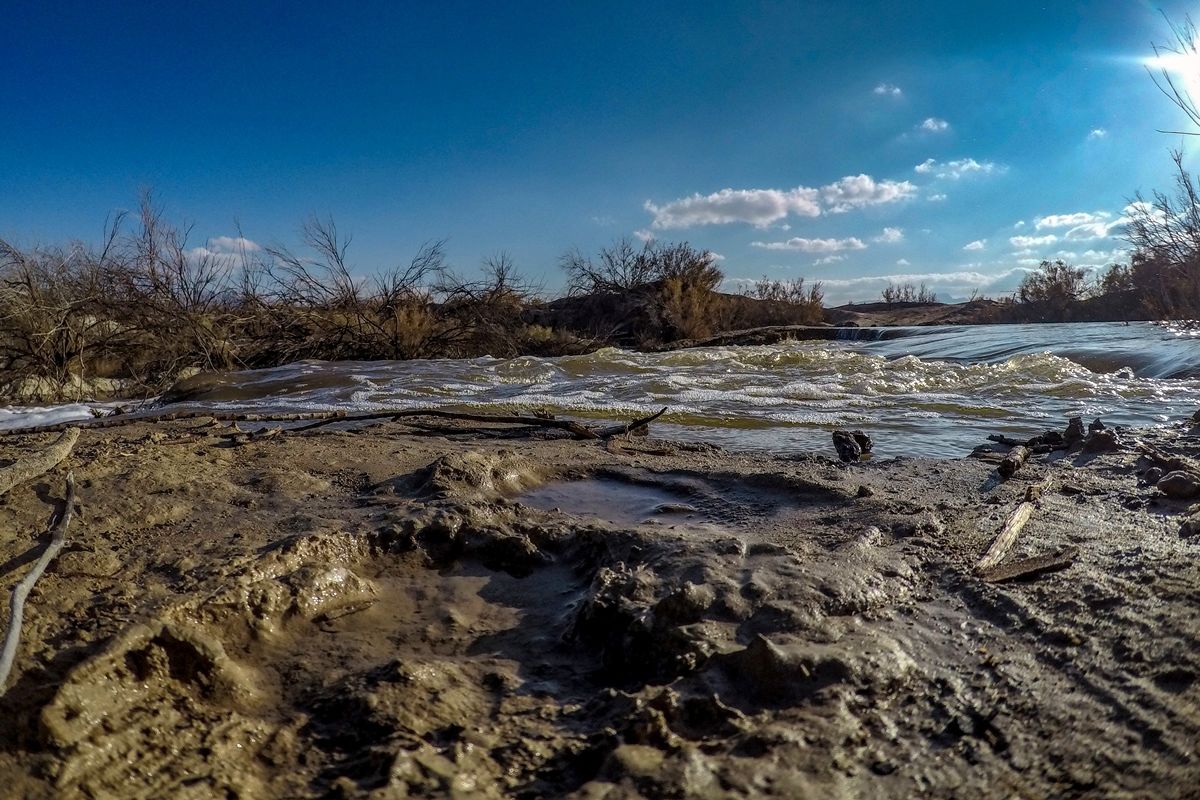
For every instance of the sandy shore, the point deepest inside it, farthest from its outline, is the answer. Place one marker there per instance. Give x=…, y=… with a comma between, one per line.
x=380, y=613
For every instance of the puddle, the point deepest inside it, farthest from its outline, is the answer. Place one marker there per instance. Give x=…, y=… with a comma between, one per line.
x=615, y=501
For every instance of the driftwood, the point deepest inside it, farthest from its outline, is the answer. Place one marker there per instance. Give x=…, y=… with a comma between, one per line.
x=16, y=603
x=26, y=469
x=1008, y=534
x=321, y=418
x=1056, y=559
x=1012, y=462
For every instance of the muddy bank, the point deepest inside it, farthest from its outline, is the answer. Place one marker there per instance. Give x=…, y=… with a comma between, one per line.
x=380, y=613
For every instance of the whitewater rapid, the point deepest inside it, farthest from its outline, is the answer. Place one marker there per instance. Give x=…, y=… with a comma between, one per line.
x=918, y=391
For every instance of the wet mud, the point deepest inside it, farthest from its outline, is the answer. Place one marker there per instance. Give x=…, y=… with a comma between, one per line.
x=375, y=614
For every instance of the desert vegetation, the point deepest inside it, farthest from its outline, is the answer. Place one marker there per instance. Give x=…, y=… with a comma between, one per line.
x=143, y=307
x=907, y=293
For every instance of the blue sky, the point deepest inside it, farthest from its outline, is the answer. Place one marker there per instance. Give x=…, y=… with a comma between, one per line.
x=853, y=143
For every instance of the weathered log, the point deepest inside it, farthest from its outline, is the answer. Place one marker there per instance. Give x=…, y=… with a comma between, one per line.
x=1012, y=462
x=1056, y=559
x=16, y=603
x=26, y=469
x=1012, y=527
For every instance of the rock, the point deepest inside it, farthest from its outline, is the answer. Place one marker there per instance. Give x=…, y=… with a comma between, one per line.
x=865, y=491
x=847, y=446
x=863, y=440
x=1096, y=425
x=1190, y=526
x=1153, y=475
x=1074, y=432
x=1102, y=441
x=1180, y=485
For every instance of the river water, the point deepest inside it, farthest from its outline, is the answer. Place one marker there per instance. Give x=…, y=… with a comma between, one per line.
x=920, y=391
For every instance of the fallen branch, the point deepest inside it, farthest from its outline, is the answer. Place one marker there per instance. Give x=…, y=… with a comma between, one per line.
x=578, y=430
x=629, y=427
x=318, y=419
x=16, y=603
x=1012, y=527
x=1023, y=567
x=39, y=463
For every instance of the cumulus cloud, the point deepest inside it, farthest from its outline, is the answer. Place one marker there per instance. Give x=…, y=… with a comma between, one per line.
x=231, y=249
x=978, y=244
x=890, y=236
x=758, y=207
x=1021, y=242
x=954, y=170
x=1019, y=224
x=857, y=191
x=763, y=208
x=644, y=235
x=1070, y=220
x=1097, y=133
x=937, y=197
x=828, y=260
x=902, y=262
x=813, y=245
x=1093, y=230
x=888, y=89
x=935, y=125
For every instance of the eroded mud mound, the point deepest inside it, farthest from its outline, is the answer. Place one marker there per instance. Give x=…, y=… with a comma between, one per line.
x=413, y=628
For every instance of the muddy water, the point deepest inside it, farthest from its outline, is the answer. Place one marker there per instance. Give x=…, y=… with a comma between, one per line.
x=921, y=391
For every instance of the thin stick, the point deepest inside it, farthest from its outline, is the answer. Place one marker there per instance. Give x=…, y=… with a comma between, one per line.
x=39, y=463
x=16, y=604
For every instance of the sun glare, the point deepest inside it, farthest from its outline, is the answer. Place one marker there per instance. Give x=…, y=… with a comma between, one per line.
x=1182, y=67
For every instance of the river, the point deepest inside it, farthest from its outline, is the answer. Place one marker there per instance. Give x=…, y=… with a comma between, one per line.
x=934, y=391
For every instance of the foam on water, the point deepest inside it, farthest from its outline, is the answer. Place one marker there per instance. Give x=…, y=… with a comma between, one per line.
x=917, y=393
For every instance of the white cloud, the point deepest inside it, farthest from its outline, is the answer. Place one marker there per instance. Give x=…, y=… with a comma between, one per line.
x=1070, y=220
x=936, y=198
x=1092, y=230
x=1097, y=133
x=229, y=249
x=890, y=236
x=978, y=244
x=935, y=125
x=232, y=244
x=1032, y=241
x=716, y=256
x=828, y=260
x=1025, y=252
x=644, y=235
x=758, y=207
x=813, y=245
x=763, y=208
x=856, y=191
x=1019, y=224
x=889, y=89
x=902, y=262
x=954, y=170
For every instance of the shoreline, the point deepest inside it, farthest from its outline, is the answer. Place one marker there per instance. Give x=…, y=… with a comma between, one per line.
x=343, y=611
